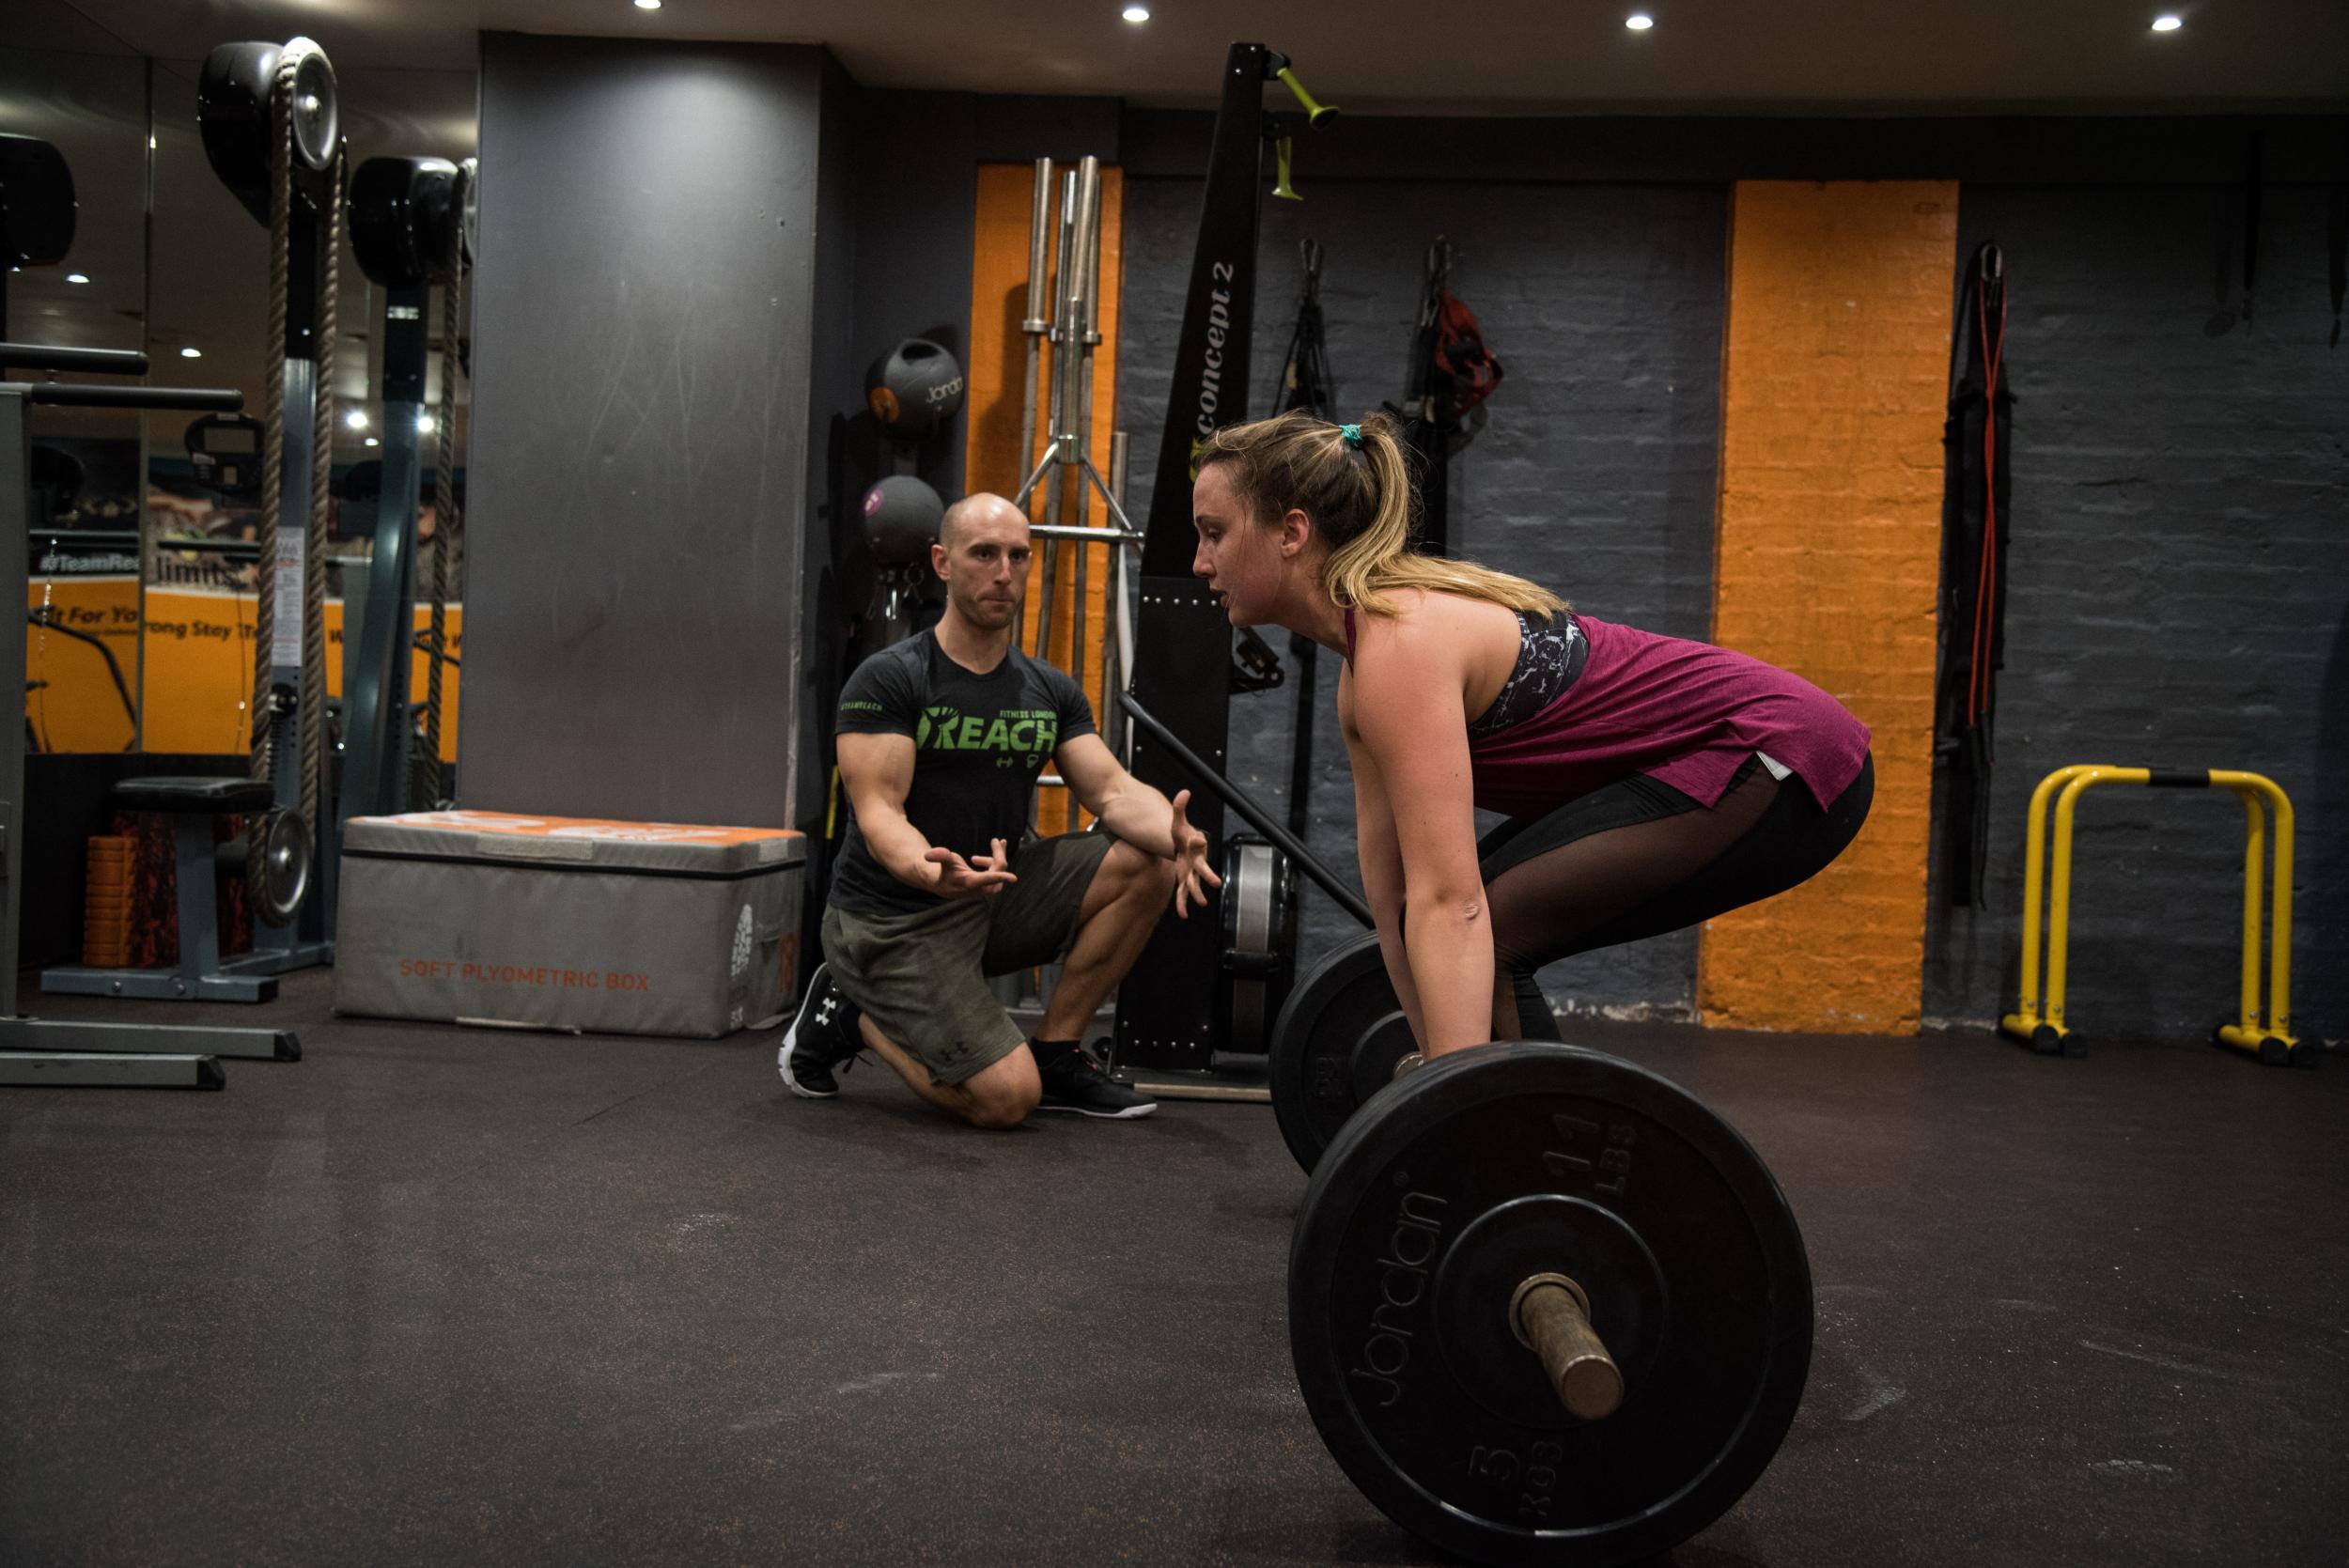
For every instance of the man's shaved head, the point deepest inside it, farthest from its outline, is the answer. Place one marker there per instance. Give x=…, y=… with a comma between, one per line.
x=982, y=555
x=973, y=507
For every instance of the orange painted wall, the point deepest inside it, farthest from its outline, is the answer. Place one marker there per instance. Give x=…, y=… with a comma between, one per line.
x=1835, y=373
x=998, y=374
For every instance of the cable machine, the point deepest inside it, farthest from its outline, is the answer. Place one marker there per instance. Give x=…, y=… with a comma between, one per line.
x=37, y=224
x=411, y=224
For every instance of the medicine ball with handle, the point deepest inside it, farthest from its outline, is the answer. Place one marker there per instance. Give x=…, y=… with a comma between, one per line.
x=914, y=388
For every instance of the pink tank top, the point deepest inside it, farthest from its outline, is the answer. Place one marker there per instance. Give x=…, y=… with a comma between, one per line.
x=1687, y=714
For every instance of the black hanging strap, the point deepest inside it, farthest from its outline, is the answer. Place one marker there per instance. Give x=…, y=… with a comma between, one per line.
x=1305, y=379
x=1426, y=396
x=1976, y=527
x=1305, y=383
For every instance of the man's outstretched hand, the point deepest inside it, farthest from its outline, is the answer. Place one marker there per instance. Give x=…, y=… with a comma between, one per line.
x=1191, y=862
x=980, y=877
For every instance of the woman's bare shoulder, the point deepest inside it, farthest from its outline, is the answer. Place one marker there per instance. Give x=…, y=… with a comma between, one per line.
x=1428, y=621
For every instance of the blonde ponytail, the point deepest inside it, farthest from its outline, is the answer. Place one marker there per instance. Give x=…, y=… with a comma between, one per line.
x=1355, y=482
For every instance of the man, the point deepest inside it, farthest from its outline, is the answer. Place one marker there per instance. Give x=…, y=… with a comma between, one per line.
x=940, y=739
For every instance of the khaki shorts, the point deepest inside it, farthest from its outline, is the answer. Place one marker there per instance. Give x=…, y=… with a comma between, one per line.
x=922, y=978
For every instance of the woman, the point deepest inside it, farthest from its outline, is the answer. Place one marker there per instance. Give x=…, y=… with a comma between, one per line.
x=1650, y=783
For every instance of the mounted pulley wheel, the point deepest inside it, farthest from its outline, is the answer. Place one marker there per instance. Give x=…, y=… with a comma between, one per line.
x=1258, y=964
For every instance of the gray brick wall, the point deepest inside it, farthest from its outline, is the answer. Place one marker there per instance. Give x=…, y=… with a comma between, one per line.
x=2178, y=577
x=2182, y=506
x=1594, y=473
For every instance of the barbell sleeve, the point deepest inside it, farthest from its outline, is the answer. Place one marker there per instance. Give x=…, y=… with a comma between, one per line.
x=1040, y=237
x=1551, y=1316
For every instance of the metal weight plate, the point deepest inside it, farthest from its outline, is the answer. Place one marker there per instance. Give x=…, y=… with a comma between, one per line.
x=278, y=865
x=1334, y=1045
x=1258, y=907
x=1482, y=1169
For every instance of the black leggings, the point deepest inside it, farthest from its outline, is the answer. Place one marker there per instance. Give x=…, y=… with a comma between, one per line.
x=1638, y=858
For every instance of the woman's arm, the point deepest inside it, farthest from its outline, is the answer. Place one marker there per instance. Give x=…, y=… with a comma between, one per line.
x=1381, y=860
x=1409, y=722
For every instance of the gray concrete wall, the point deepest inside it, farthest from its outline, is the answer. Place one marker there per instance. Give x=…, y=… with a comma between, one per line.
x=639, y=465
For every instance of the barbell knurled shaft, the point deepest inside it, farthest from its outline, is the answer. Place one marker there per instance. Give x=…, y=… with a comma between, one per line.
x=1548, y=1312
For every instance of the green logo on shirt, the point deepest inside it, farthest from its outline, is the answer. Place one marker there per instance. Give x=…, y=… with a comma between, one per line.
x=1017, y=736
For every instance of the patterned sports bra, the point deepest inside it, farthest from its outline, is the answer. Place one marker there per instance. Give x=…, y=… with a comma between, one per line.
x=1549, y=654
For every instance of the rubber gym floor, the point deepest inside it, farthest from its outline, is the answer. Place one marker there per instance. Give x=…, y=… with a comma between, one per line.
x=437, y=1296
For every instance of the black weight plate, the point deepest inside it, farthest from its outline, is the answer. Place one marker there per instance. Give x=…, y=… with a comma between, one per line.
x=283, y=879
x=1333, y=1046
x=1486, y=1166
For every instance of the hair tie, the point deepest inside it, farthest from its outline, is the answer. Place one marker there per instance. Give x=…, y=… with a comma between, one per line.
x=1350, y=434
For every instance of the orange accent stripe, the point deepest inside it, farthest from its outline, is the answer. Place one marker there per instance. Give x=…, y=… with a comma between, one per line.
x=997, y=372
x=1834, y=383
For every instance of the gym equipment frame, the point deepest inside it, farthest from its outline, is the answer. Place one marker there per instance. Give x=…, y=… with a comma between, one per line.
x=1165, y=1018
x=48, y=1051
x=2265, y=1033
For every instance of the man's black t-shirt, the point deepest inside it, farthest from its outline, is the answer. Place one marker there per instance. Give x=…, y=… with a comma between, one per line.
x=979, y=741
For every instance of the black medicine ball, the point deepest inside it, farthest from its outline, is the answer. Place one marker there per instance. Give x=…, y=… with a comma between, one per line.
x=914, y=388
x=901, y=518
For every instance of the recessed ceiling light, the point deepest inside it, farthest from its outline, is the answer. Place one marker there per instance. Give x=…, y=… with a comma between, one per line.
x=1136, y=14
x=372, y=441
x=2166, y=24
x=356, y=419
x=1639, y=22
x=77, y=277
x=647, y=4
x=191, y=353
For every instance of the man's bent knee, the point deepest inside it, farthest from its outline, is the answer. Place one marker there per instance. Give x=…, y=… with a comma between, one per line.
x=1002, y=1093
x=1145, y=877
x=1127, y=867
x=1128, y=875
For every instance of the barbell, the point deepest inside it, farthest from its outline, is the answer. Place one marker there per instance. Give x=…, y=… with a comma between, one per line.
x=1546, y=1307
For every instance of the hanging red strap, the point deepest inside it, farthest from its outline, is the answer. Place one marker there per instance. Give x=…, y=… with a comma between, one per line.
x=1461, y=354
x=1992, y=351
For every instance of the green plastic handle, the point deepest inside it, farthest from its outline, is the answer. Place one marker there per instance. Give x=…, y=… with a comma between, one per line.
x=1315, y=112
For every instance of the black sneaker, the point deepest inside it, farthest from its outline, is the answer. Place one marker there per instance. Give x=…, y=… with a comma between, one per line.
x=821, y=1037
x=1074, y=1081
